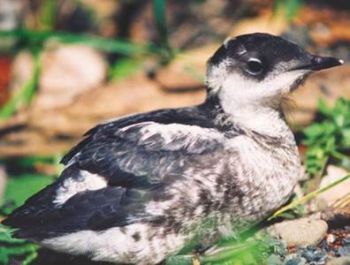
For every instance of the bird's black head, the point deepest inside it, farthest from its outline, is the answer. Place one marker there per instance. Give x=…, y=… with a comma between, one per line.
x=260, y=66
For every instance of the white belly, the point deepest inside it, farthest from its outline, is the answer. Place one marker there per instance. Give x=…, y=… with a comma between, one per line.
x=136, y=243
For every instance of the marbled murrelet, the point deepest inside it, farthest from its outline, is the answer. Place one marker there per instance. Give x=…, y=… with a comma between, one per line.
x=136, y=189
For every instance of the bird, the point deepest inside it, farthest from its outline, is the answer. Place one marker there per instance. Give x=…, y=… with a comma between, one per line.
x=137, y=189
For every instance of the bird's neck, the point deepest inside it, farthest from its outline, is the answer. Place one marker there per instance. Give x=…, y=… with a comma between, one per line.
x=265, y=119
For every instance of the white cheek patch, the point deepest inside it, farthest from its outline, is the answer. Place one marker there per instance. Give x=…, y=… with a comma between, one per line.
x=241, y=90
x=282, y=83
x=71, y=186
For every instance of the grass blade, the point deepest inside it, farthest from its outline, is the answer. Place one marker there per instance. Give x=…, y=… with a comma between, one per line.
x=159, y=12
x=307, y=197
x=47, y=15
x=103, y=44
x=25, y=94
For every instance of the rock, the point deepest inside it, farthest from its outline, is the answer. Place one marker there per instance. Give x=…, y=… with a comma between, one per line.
x=306, y=256
x=339, y=261
x=3, y=179
x=337, y=217
x=22, y=69
x=278, y=246
x=10, y=18
x=334, y=173
x=10, y=13
x=68, y=71
x=313, y=255
x=346, y=240
x=301, y=232
x=274, y=260
x=329, y=197
x=344, y=250
x=330, y=239
x=294, y=259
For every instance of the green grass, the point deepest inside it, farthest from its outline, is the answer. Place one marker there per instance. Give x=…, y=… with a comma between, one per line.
x=159, y=14
x=25, y=94
x=124, y=68
x=329, y=138
x=307, y=197
x=290, y=8
x=238, y=252
x=38, y=38
x=15, y=248
x=47, y=15
x=18, y=189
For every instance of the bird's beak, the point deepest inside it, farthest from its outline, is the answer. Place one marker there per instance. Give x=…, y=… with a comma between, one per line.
x=317, y=63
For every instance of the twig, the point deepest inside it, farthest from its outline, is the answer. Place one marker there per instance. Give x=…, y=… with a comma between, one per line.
x=307, y=197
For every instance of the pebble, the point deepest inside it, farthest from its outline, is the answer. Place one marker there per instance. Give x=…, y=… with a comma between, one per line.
x=277, y=246
x=274, y=260
x=301, y=232
x=330, y=239
x=3, y=180
x=344, y=250
x=294, y=259
x=339, y=261
x=313, y=255
x=346, y=240
x=329, y=197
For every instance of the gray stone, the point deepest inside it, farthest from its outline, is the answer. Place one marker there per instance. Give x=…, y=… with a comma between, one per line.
x=3, y=179
x=329, y=197
x=274, y=260
x=344, y=250
x=294, y=259
x=339, y=261
x=301, y=232
x=313, y=255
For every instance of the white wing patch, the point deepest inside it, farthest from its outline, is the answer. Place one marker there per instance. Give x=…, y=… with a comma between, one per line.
x=173, y=136
x=72, y=186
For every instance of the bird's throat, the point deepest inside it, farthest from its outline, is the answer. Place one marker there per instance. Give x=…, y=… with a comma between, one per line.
x=264, y=120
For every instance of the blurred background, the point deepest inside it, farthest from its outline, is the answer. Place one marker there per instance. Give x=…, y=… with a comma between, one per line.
x=66, y=65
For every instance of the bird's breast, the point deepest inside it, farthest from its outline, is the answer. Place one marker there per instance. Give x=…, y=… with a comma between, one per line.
x=264, y=175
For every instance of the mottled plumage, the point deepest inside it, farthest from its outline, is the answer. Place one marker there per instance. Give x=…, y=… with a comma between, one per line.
x=136, y=189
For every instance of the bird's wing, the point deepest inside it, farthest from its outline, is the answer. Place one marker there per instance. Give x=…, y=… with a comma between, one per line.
x=112, y=175
x=144, y=152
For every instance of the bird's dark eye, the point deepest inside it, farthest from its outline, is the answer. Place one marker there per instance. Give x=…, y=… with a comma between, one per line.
x=254, y=66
